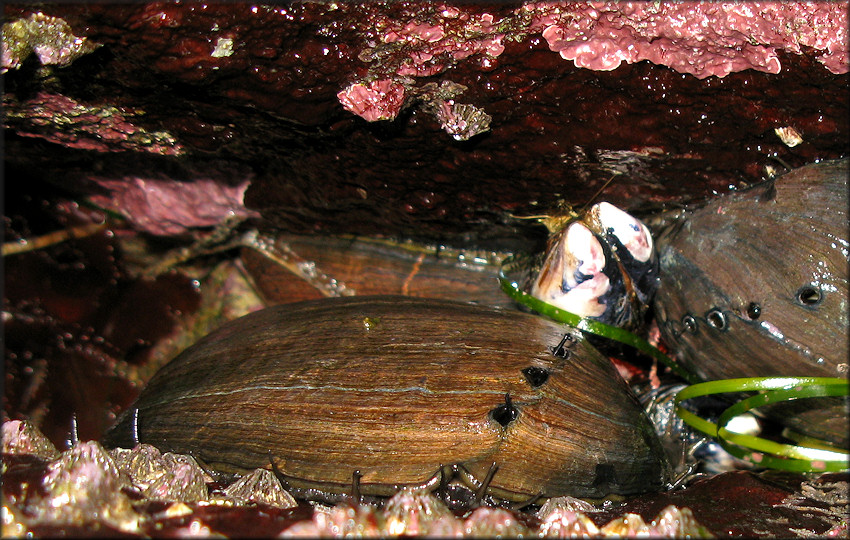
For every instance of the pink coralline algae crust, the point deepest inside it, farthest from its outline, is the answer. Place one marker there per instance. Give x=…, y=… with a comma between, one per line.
x=420, y=43
x=165, y=207
x=702, y=39
x=378, y=100
x=62, y=120
x=454, y=35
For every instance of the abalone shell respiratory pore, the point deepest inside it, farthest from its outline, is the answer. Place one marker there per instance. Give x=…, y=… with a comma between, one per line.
x=426, y=384
x=601, y=265
x=755, y=283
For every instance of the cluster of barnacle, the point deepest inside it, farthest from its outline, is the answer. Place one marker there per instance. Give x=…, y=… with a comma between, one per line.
x=88, y=486
x=418, y=512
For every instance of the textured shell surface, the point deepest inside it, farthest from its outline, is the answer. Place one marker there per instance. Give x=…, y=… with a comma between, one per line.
x=755, y=283
x=397, y=388
x=762, y=275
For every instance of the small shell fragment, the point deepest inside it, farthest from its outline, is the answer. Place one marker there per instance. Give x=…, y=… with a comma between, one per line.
x=788, y=135
x=223, y=48
x=176, y=510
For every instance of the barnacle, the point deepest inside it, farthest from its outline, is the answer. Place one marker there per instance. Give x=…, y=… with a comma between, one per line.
x=461, y=120
x=599, y=264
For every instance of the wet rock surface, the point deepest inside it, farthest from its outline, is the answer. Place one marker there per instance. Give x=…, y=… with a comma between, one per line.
x=256, y=88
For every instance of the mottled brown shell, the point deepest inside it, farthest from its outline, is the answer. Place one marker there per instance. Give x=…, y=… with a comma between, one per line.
x=764, y=275
x=756, y=284
x=396, y=388
x=367, y=266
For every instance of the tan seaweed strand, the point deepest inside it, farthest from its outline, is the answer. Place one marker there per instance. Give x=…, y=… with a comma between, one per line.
x=56, y=237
